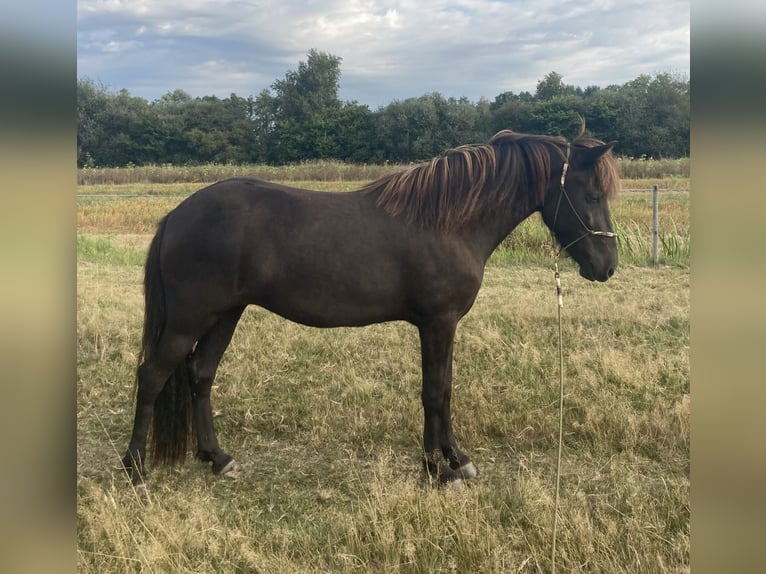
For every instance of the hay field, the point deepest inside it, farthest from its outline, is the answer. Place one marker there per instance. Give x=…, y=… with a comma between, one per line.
x=327, y=424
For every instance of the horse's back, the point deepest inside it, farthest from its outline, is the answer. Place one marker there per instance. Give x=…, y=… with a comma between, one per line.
x=303, y=254
x=318, y=258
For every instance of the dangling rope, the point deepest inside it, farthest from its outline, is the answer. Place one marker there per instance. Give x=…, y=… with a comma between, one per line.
x=559, y=294
x=561, y=418
x=560, y=297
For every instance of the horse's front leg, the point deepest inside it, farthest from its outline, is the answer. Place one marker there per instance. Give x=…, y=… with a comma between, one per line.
x=442, y=457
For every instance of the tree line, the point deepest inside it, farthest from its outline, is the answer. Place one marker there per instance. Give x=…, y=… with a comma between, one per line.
x=302, y=118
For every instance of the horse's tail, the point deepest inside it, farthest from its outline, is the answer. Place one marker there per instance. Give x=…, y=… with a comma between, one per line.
x=171, y=419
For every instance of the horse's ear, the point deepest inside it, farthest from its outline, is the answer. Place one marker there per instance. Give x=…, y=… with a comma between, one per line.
x=589, y=155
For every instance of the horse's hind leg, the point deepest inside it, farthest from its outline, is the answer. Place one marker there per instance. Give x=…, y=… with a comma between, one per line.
x=204, y=364
x=152, y=375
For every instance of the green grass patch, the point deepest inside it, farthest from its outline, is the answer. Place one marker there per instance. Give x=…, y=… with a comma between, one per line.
x=101, y=249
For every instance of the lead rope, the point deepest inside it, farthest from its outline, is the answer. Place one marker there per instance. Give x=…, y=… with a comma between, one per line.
x=560, y=297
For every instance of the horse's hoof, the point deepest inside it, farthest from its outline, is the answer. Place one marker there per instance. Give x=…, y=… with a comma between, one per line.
x=456, y=485
x=232, y=469
x=141, y=492
x=468, y=470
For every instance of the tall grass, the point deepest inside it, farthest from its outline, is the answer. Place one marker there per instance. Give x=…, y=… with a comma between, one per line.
x=531, y=241
x=320, y=170
x=646, y=168
x=136, y=209
x=636, y=245
x=632, y=218
x=328, y=423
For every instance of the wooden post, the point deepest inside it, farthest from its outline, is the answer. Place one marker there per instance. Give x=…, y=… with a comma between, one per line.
x=655, y=225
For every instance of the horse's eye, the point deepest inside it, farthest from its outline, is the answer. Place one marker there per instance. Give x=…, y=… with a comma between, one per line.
x=591, y=198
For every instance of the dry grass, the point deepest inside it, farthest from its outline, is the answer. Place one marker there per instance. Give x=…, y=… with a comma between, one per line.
x=327, y=425
x=135, y=209
x=319, y=170
x=631, y=168
x=325, y=170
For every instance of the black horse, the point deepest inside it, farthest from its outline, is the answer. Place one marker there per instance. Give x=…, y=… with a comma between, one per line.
x=410, y=247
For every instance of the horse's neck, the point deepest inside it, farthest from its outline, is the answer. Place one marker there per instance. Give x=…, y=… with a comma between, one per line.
x=488, y=233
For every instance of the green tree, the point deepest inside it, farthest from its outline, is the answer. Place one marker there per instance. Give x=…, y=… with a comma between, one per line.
x=133, y=134
x=205, y=130
x=416, y=129
x=171, y=110
x=513, y=112
x=653, y=117
x=668, y=100
x=92, y=105
x=559, y=115
x=601, y=112
x=354, y=127
x=551, y=86
x=406, y=129
x=303, y=118
x=302, y=108
x=264, y=127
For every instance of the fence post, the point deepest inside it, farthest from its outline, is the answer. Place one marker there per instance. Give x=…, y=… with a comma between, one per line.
x=655, y=224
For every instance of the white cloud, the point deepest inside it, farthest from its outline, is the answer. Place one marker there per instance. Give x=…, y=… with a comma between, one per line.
x=224, y=72
x=390, y=48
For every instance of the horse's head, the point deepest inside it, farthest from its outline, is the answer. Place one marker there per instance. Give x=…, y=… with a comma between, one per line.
x=576, y=208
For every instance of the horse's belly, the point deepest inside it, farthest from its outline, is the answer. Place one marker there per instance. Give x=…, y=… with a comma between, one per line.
x=323, y=311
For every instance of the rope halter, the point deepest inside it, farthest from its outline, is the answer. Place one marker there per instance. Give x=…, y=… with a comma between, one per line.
x=588, y=230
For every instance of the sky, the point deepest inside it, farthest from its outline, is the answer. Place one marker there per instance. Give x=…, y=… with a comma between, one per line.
x=390, y=49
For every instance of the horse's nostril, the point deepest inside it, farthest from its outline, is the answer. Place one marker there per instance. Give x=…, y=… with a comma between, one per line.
x=610, y=272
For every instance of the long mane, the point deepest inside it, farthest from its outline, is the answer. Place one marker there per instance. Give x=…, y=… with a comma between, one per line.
x=471, y=182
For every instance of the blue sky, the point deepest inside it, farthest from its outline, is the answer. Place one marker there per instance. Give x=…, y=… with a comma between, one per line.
x=390, y=49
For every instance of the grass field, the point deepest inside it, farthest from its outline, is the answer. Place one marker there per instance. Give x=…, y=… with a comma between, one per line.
x=327, y=423
x=326, y=171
